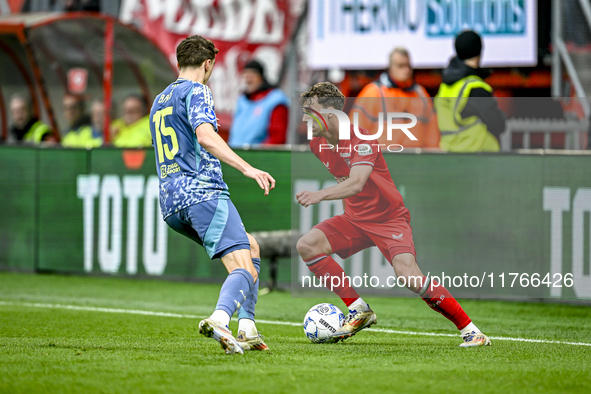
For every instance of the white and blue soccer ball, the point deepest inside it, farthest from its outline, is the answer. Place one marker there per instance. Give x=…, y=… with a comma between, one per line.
x=322, y=321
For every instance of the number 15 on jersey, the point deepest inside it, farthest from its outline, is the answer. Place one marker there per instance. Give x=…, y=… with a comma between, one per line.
x=161, y=128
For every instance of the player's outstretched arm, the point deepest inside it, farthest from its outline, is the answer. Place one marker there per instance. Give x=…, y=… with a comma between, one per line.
x=349, y=187
x=210, y=140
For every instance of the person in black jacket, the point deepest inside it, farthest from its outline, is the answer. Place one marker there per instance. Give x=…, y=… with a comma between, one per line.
x=468, y=115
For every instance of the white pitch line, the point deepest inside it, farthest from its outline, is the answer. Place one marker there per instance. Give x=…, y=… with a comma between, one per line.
x=274, y=322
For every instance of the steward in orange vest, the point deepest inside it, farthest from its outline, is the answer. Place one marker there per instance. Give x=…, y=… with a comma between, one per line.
x=396, y=91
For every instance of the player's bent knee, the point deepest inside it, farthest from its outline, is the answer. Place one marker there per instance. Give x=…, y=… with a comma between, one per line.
x=312, y=244
x=305, y=248
x=252, y=270
x=249, y=268
x=405, y=265
x=255, y=250
x=254, y=273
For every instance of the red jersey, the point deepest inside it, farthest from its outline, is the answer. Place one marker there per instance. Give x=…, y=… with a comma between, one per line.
x=379, y=199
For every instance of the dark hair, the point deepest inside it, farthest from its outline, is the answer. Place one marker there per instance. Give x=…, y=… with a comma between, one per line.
x=256, y=66
x=194, y=50
x=327, y=94
x=139, y=97
x=79, y=100
x=468, y=44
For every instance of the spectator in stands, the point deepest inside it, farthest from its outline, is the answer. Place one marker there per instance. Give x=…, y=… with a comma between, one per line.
x=133, y=129
x=97, y=119
x=25, y=126
x=261, y=114
x=468, y=115
x=396, y=91
x=79, y=133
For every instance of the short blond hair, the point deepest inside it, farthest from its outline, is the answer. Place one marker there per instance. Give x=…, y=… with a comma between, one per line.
x=401, y=51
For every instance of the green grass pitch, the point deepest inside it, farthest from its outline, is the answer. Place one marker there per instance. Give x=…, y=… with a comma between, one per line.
x=62, y=334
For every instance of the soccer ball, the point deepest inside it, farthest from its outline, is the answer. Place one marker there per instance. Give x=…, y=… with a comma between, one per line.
x=322, y=321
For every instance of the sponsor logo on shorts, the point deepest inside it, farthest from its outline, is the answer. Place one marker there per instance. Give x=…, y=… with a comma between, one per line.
x=399, y=236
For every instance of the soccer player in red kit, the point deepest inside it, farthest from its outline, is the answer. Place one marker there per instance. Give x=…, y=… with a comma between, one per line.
x=375, y=215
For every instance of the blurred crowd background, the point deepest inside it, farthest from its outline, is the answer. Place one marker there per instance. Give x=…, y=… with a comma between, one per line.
x=83, y=73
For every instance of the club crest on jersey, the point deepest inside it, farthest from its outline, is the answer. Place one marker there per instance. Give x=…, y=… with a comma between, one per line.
x=209, y=113
x=364, y=150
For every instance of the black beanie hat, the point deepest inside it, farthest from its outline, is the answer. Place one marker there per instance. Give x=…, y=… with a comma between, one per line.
x=468, y=45
x=256, y=66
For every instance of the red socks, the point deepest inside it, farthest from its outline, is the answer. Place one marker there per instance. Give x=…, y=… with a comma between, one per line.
x=323, y=266
x=440, y=300
x=436, y=296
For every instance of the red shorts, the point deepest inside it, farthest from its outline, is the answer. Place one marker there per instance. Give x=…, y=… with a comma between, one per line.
x=347, y=237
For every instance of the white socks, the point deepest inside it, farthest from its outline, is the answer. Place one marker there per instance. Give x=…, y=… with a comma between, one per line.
x=358, y=305
x=248, y=327
x=245, y=325
x=221, y=317
x=468, y=329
